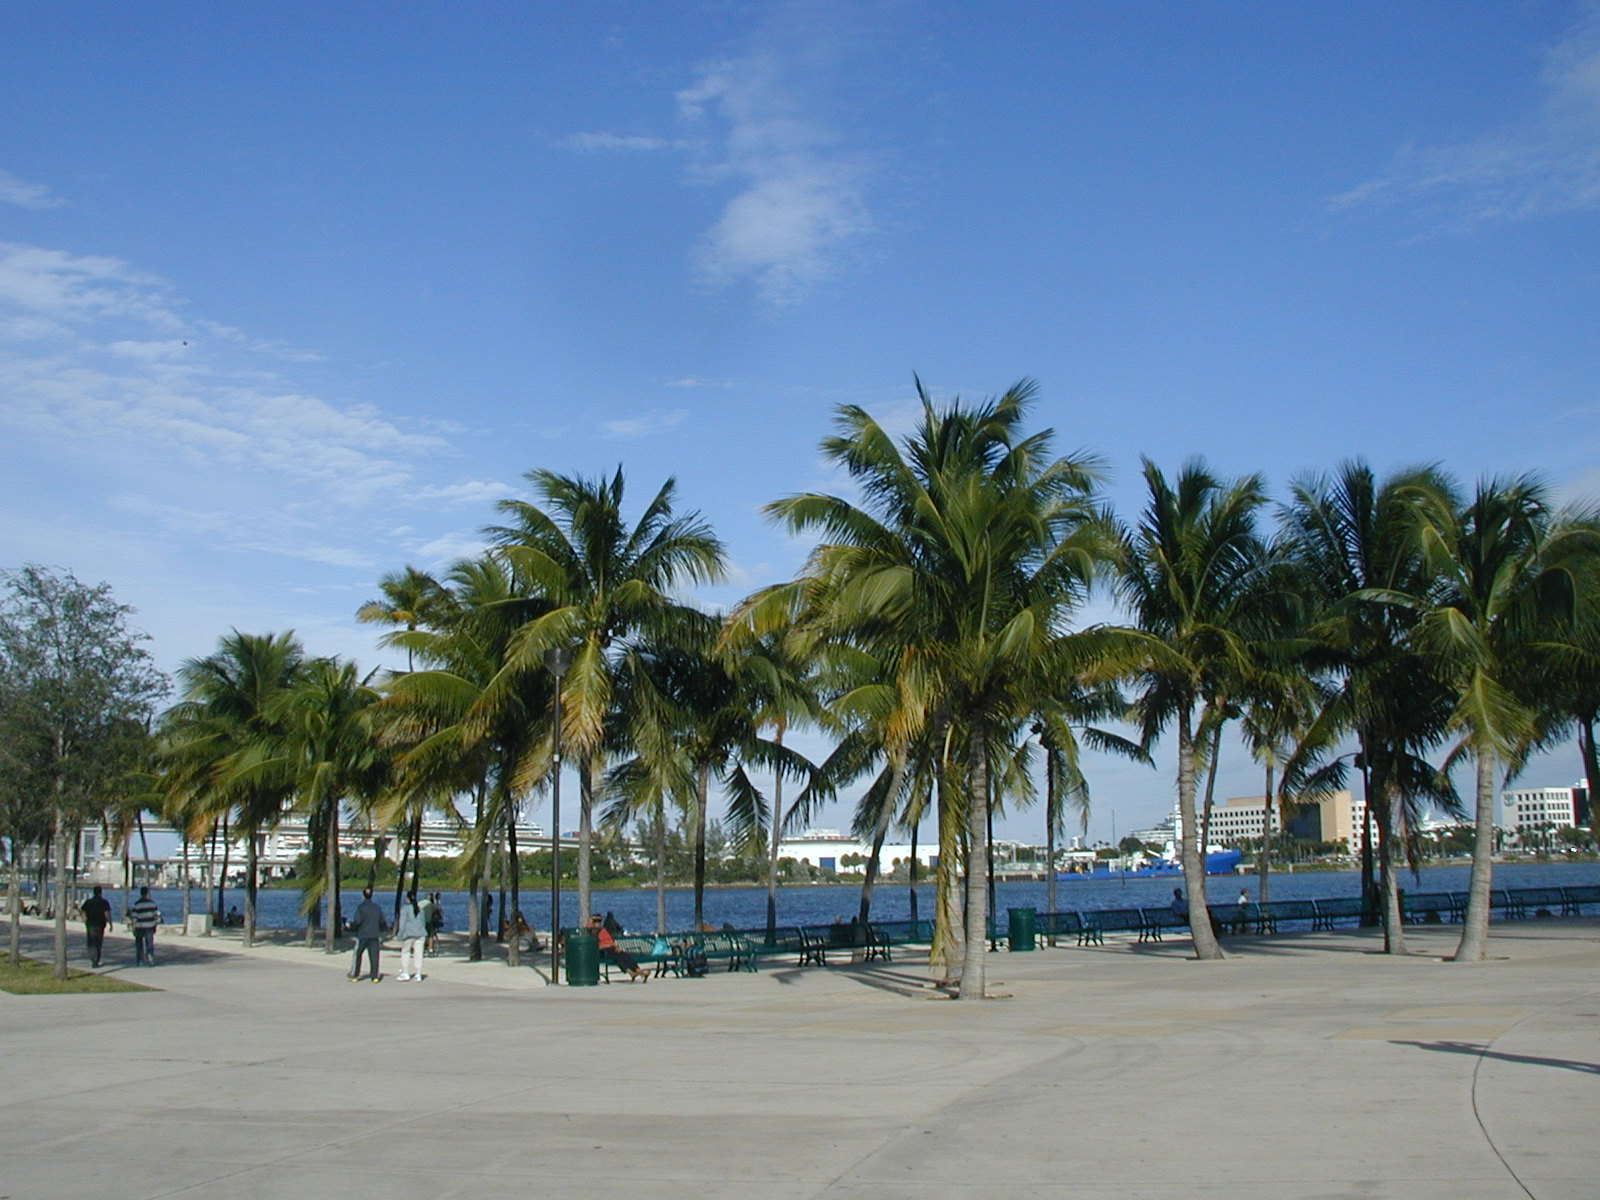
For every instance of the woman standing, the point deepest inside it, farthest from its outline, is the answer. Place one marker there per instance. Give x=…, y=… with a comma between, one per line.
x=412, y=931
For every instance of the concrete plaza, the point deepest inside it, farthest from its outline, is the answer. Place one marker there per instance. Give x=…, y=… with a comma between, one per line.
x=1305, y=1067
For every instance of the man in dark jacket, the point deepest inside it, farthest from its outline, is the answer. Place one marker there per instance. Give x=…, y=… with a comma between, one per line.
x=96, y=916
x=368, y=926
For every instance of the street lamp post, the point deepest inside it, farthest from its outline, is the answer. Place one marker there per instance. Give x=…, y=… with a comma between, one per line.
x=556, y=661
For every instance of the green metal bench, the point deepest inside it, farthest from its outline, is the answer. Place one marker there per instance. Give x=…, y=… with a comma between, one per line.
x=1341, y=908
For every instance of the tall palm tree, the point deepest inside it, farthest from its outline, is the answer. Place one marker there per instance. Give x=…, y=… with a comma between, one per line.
x=605, y=583
x=330, y=754
x=1353, y=540
x=410, y=599
x=474, y=719
x=1507, y=569
x=960, y=567
x=1190, y=573
x=226, y=721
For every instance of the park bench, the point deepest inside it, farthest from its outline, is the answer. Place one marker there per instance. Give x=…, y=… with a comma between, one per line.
x=1429, y=907
x=785, y=941
x=1116, y=920
x=1574, y=898
x=1522, y=901
x=1060, y=924
x=1153, y=920
x=1276, y=912
x=884, y=936
x=1342, y=908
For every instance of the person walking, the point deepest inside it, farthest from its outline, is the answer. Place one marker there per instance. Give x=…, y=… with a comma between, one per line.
x=144, y=915
x=96, y=912
x=412, y=932
x=436, y=924
x=368, y=926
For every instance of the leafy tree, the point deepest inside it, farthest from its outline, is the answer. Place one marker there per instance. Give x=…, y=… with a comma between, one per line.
x=82, y=690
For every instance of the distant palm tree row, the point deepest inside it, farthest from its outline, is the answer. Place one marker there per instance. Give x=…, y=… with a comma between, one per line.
x=935, y=640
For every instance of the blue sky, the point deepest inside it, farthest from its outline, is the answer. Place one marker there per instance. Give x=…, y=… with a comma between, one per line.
x=291, y=293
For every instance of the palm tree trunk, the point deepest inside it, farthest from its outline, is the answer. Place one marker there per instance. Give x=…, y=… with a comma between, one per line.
x=250, y=886
x=1474, y=945
x=513, y=919
x=949, y=932
x=474, y=884
x=702, y=786
x=1051, y=816
x=973, y=979
x=885, y=816
x=586, y=790
x=222, y=875
x=776, y=845
x=912, y=873
x=1368, y=890
x=1394, y=930
x=1211, y=789
x=1591, y=769
x=661, y=867
x=1264, y=860
x=1191, y=854
x=406, y=848
x=188, y=884
x=330, y=883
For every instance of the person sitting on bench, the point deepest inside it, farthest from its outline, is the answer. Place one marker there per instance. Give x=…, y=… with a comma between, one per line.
x=610, y=949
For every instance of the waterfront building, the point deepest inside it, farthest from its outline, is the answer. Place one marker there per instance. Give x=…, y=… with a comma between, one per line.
x=830, y=850
x=1543, y=809
x=1240, y=819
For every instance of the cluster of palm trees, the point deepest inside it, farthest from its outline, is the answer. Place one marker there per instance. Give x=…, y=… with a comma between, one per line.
x=936, y=640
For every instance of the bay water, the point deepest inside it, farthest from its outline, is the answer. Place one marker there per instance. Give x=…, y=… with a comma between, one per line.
x=821, y=904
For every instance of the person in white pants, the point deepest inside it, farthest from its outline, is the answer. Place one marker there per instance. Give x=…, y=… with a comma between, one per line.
x=412, y=932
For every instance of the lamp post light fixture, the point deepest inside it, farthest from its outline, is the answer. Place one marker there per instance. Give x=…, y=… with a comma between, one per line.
x=556, y=661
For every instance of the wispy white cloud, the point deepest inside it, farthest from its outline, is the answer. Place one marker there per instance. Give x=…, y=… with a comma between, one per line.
x=600, y=143
x=800, y=205
x=26, y=195
x=1547, y=162
x=482, y=493
x=647, y=425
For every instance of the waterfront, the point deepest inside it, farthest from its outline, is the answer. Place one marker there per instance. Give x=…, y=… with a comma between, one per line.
x=820, y=904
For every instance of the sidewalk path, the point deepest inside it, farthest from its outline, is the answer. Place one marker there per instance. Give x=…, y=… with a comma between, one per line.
x=1303, y=1067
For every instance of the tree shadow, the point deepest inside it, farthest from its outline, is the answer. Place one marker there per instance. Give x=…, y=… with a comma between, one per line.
x=1477, y=1051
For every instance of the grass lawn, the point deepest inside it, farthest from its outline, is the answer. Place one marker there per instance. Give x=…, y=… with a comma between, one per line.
x=35, y=978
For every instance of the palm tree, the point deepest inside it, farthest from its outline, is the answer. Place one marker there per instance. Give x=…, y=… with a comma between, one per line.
x=475, y=718
x=958, y=570
x=779, y=674
x=224, y=723
x=411, y=599
x=1353, y=540
x=330, y=754
x=605, y=584
x=1507, y=569
x=1190, y=573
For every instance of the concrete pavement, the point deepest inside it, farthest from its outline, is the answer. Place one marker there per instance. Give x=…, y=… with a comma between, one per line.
x=1305, y=1066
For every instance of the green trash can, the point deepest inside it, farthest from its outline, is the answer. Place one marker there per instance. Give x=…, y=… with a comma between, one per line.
x=1022, y=927
x=583, y=958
